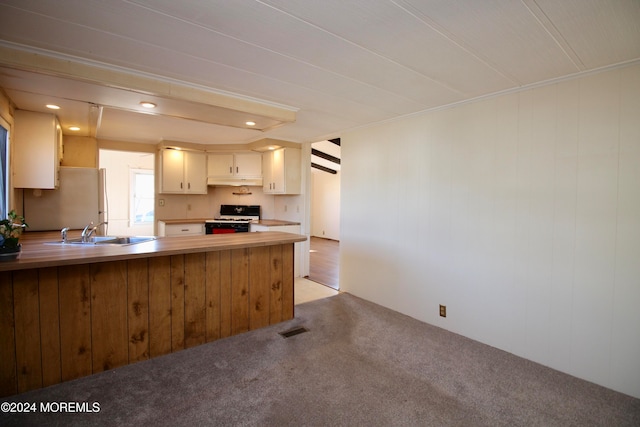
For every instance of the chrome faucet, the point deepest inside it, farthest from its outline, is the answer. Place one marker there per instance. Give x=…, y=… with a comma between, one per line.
x=64, y=234
x=89, y=230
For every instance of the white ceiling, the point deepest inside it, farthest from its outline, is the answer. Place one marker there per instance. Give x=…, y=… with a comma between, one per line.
x=339, y=64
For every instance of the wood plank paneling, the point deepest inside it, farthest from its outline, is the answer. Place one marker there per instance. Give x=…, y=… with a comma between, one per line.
x=75, y=321
x=260, y=280
x=212, y=295
x=27, y=327
x=177, y=302
x=8, y=377
x=225, y=294
x=194, y=300
x=50, y=326
x=109, y=332
x=287, y=282
x=138, y=309
x=61, y=323
x=239, y=291
x=275, y=277
x=159, y=306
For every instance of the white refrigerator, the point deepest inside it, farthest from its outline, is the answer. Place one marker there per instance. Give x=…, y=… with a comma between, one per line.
x=79, y=200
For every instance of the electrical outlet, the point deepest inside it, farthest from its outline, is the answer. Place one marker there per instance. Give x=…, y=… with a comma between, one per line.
x=443, y=310
x=189, y=207
x=285, y=208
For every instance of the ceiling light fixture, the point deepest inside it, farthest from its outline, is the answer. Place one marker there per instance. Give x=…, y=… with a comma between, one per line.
x=250, y=123
x=146, y=104
x=52, y=106
x=74, y=128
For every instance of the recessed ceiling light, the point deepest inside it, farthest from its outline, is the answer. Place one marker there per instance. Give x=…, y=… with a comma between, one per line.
x=250, y=123
x=53, y=106
x=146, y=104
x=74, y=128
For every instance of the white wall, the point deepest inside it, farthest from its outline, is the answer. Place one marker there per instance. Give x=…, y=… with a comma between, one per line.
x=520, y=213
x=325, y=204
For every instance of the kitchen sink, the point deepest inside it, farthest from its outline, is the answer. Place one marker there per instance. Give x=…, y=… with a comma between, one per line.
x=126, y=240
x=106, y=240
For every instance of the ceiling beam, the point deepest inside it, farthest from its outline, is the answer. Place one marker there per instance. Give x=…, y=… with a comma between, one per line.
x=325, y=156
x=44, y=62
x=335, y=141
x=323, y=168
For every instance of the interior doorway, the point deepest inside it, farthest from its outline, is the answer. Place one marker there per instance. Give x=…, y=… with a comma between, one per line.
x=325, y=213
x=129, y=191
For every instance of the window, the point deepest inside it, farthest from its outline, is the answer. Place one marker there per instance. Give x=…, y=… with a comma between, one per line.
x=4, y=168
x=142, y=196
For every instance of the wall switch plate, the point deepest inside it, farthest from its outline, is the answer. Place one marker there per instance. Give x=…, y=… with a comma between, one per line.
x=443, y=310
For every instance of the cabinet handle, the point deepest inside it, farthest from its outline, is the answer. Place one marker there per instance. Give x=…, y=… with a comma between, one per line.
x=230, y=169
x=189, y=186
x=236, y=169
x=185, y=229
x=181, y=186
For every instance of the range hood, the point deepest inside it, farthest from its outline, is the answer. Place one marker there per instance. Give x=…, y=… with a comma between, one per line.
x=234, y=182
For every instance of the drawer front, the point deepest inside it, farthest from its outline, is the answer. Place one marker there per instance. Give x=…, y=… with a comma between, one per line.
x=184, y=229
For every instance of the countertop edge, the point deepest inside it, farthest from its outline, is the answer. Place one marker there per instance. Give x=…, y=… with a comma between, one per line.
x=37, y=254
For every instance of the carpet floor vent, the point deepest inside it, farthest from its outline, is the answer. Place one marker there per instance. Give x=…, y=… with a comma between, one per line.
x=294, y=331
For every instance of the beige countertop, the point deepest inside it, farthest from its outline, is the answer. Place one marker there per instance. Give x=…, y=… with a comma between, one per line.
x=274, y=222
x=186, y=221
x=36, y=253
x=265, y=222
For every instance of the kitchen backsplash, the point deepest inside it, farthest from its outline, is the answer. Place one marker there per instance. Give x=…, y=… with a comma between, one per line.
x=181, y=206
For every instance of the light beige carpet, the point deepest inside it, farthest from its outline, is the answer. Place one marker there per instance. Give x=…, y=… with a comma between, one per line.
x=359, y=364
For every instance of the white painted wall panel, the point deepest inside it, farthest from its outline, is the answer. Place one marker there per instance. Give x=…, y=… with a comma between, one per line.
x=625, y=341
x=565, y=194
x=529, y=227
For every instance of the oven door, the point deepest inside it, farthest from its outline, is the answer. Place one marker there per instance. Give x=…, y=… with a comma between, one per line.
x=222, y=231
x=226, y=227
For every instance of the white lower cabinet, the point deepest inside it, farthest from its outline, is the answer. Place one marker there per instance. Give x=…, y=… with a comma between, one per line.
x=186, y=229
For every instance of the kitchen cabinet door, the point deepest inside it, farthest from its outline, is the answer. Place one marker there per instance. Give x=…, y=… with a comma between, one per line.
x=281, y=169
x=220, y=165
x=195, y=172
x=248, y=165
x=238, y=165
x=187, y=229
x=37, y=150
x=172, y=171
x=183, y=172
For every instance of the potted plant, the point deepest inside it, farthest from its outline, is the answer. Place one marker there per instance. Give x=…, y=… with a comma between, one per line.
x=10, y=230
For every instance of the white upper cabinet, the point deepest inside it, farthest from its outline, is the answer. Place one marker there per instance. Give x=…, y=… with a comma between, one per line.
x=248, y=165
x=234, y=168
x=282, y=171
x=220, y=165
x=37, y=150
x=183, y=171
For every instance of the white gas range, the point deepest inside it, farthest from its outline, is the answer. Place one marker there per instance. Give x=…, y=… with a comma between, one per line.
x=233, y=219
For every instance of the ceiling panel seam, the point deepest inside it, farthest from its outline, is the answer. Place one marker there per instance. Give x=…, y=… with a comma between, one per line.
x=299, y=60
x=547, y=24
x=436, y=81
x=454, y=40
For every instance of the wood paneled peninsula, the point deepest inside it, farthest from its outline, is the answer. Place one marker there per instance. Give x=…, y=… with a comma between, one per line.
x=70, y=311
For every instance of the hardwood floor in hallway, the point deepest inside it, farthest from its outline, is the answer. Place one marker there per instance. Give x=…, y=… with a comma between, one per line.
x=324, y=263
